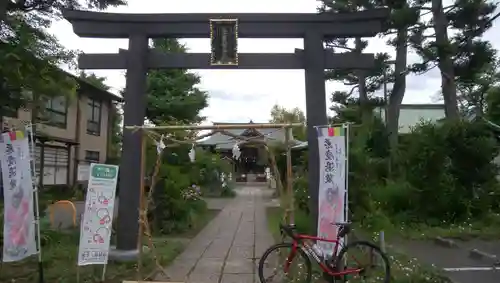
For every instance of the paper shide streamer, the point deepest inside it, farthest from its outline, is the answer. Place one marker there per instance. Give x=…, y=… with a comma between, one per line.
x=236, y=152
x=192, y=154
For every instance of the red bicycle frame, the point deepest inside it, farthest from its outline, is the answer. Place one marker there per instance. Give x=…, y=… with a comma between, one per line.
x=297, y=243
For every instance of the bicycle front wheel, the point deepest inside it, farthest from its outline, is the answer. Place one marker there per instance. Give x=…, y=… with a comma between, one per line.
x=364, y=262
x=281, y=264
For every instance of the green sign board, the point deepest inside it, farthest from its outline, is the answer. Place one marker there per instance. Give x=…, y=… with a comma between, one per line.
x=104, y=171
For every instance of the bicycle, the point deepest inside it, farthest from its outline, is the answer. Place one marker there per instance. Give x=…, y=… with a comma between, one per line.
x=335, y=267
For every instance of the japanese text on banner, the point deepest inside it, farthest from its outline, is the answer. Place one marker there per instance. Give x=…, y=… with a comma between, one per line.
x=97, y=218
x=332, y=184
x=18, y=230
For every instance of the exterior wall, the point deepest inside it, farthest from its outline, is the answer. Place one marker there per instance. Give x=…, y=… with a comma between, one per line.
x=92, y=142
x=75, y=133
x=410, y=117
x=68, y=133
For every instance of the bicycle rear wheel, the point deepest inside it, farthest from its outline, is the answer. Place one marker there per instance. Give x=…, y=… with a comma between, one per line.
x=364, y=259
x=279, y=258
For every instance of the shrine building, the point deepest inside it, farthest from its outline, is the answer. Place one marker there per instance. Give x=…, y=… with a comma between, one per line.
x=253, y=159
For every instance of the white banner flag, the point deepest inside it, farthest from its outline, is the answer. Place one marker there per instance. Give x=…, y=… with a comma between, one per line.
x=95, y=231
x=18, y=229
x=332, y=184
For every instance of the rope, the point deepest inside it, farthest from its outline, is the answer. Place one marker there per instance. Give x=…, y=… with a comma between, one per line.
x=143, y=219
x=195, y=141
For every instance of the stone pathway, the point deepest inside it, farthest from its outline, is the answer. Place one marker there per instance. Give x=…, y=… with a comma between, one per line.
x=227, y=250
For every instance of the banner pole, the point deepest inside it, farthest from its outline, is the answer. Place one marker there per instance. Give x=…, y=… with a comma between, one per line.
x=346, y=201
x=103, y=276
x=37, y=202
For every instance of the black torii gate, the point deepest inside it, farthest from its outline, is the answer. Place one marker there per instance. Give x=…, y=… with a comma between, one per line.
x=138, y=28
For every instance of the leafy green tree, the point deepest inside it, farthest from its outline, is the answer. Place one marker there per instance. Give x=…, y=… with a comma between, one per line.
x=461, y=55
x=32, y=54
x=364, y=82
x=473, y=93
x=115, y=146
x=172, y=94
x=280, y=114
x=53, y=8
x=404, y=16
x=348, y=109
x=93, y=79
x=493, y=104
x=359, y=109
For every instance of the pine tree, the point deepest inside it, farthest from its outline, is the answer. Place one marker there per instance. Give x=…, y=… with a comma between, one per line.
x=450, y=40
x=362, y=82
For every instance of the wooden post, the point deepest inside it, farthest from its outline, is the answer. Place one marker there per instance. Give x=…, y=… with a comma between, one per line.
x=215, y=127
x=141, y=205
x=289, y=177
x=134, y=111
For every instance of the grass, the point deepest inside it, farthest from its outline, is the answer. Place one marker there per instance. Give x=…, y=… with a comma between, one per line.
x=198, y=224
x=464, y=232
x=484, y=229
x=60, y=257
x=404, y=269
x=60, y=253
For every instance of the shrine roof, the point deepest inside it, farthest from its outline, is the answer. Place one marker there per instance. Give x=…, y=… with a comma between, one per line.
x=221, y=141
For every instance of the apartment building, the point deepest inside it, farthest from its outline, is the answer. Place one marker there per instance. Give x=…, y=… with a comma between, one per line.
x=411, y=115
x=70, y=133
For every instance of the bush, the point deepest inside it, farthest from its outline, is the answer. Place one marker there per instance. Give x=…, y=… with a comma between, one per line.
x=301, y=193
x=206, y=172
x=228, y=190
x=450, y=166
x=177, y=206
x=177, y=196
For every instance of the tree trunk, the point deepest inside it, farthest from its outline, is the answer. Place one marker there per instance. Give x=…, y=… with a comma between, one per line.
x=398, y=91
x=363, y=94
x=448, y=86
x=3, y=10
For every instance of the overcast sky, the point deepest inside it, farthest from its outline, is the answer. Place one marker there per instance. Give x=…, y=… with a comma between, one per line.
x=241, y=95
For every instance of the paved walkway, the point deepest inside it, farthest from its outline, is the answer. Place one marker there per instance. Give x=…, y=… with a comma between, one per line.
x=456, y=262
x=227, y=249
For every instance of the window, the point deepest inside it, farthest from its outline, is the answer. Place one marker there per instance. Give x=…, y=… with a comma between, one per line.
x=92, y=156
x=94, y=108
x=56, y=112
x=9, y=112
x=55, y=165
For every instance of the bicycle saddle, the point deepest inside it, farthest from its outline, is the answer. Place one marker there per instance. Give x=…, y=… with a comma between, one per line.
x=341, y=224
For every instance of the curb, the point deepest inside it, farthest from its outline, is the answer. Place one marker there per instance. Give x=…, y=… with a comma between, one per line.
x=480, y=255
x=443, y=242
